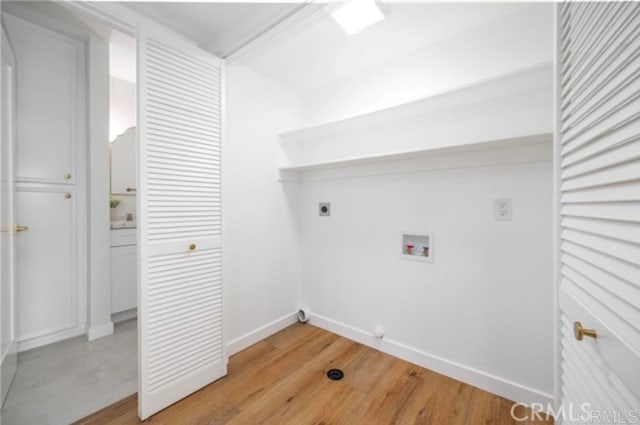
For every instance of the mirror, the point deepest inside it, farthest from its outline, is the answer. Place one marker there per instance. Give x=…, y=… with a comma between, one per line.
x=123, y=163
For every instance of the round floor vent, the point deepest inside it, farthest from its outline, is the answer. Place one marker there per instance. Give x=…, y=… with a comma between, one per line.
x=335, y=374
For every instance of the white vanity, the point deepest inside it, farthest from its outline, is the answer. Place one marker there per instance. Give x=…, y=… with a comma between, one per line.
x=123, y=273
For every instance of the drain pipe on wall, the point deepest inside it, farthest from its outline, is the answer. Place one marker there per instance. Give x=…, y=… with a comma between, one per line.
x=378, y=332
x=303, y=315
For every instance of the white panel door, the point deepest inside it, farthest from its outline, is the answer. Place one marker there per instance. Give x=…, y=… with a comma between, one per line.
x=46, y=265
x=598, y=154
x=50, y=149
x=50, y=104
x=180, y=299
x=8, y=338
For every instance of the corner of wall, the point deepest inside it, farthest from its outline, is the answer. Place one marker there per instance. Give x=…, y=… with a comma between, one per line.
x=99, y=331
x=99, y=275
x=493, y=384
x=261, y=251
x=238, y=344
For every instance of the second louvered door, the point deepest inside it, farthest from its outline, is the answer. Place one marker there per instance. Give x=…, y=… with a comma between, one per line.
x=599, y=166
x=180, y=299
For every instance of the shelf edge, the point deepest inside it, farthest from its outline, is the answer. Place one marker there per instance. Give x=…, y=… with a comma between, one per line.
x=539, y=138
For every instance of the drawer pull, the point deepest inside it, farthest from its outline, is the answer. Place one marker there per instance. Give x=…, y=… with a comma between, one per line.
x=581, y=332
x=192, y=247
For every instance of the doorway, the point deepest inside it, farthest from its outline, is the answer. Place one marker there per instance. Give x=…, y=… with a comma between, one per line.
x=71, y=358
x=179, y=241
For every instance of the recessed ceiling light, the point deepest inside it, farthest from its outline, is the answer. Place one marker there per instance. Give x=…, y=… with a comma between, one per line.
x=355, y=15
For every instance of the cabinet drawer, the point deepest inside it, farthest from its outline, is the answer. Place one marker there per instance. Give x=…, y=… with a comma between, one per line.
x=124, y=278
x=123, y=237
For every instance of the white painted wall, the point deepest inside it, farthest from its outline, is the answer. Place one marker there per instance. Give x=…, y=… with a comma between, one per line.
x=522, y=38
x=260, y=239
x=483, y=310
x=122, y=108
x=100, y=323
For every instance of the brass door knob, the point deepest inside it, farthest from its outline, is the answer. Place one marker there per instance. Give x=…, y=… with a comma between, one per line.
x=581, y=332
x=21, y=228
x=67, y=176
x=192, y=247
x=67, y=196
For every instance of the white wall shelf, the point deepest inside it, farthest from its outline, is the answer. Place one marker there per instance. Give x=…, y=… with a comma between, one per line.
x=374, y=158
x=514, y=108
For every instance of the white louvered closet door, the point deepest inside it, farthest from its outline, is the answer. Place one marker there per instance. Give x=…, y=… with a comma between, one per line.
x=180, y=254
x=599, y=169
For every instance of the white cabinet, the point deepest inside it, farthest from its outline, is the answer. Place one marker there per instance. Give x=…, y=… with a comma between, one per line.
x=50, y=121
x=123, y=270
x=123, y=163
x=51, y=272
x=49, y=292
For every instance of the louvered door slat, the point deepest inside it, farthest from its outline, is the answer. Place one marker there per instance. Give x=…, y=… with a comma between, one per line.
x=614, y=156
x=627, y=133
x=607, y=296
x=600, y=49
x=588, y=44
x=616, y=76
x=180, y=219
x=625, y=291
x=624, y=172
x=615, y=229
x=593, y=17
x=618, y=268
x=611, y=119
x=598, y=147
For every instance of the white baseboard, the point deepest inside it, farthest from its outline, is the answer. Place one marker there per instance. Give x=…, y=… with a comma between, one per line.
x=100, y=331
x=122, y=316
x=261, y=333
x=8, y=365
x=10, y=350
x=493, y=384
x=39, y=341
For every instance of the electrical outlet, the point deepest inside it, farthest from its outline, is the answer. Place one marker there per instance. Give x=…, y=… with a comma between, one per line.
x=502, y=209
x=324, y=209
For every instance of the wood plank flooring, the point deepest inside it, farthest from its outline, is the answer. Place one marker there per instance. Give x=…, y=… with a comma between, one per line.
x=282, y=380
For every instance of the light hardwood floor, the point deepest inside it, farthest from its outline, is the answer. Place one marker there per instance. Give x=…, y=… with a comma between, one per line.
x=282, y=380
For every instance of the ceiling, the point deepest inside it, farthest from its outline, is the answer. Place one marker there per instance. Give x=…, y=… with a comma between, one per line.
x=218, y=27
x=307, y=53
x=317, y=51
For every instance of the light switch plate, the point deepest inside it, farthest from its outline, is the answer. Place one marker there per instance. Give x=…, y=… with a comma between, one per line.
x=503, y=209
x=324, y=209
